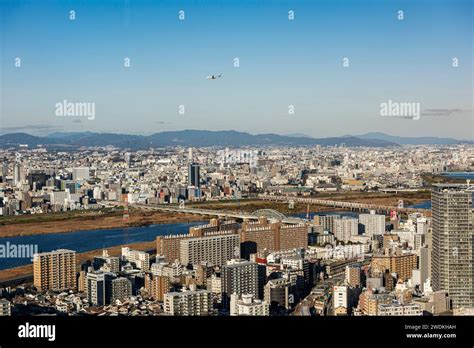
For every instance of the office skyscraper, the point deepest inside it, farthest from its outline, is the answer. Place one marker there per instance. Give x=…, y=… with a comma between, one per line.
x=18, y=173
x=194, y=175
x=190, y=155
x=452, y=263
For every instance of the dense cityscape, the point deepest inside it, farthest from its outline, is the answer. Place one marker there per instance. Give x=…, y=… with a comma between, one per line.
x=329, y=233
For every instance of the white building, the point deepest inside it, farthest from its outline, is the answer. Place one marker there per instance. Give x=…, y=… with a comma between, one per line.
x=59, y=197
x=247, y=305
x=340, y=300
x=345, y=228
x=421, y=225
x=80, y=173
x=396, y=309
x=373, y=223
x=141, y=259
x=214, y=285
x=188, y=303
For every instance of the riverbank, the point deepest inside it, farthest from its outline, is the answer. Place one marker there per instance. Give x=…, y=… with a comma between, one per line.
x=63, y=223
x=24, y=225
x=27, y=270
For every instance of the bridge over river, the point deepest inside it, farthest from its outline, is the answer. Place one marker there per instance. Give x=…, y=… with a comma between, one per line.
x=269, y=213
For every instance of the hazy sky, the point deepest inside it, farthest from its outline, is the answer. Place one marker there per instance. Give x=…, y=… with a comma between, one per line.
x=282, y=62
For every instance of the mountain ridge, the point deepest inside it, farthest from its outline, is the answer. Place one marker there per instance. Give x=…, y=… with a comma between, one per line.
x=412, y=140
x=189, y=137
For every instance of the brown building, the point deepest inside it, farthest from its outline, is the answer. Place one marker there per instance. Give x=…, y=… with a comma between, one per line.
x=157, y=286
x=388, y=282
x=169, y=245
x=214, y=225
x=55, y=270
x=403, y=265
x=353, y=277
x=82, y=281
x=369, y=302
x=388, y=239
x=272, y=236
x=202, y=273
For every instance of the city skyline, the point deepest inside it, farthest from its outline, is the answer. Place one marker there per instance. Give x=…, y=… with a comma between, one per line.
x=291, y=76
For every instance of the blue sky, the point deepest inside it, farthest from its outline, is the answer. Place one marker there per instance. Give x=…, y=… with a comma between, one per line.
x=282, y=63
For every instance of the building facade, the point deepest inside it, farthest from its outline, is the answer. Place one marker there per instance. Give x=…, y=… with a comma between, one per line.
x=188, y=303
x=55, y=270
x=452, y=263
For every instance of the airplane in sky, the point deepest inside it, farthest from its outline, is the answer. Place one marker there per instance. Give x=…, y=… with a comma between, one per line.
x=213, y=77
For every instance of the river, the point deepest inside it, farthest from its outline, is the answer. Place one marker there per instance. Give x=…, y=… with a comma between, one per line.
x=82, y=241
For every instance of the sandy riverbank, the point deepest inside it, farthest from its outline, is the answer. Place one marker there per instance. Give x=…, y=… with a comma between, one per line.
x=33, y=225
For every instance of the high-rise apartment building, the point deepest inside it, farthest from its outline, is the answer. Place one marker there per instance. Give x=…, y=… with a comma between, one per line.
x=104, y=288
x=157, y=286
x=96, y=288
x=239, y=277
x=277, y=292
x=353, y=275
x=168, y=246
x=372, y=223
x=120, y=289
x=403, y=265
x=327, y=221
x=272, y=236
x=19, y=173
x=452, y=263
x=215, y=250
x=345, y=228
x=55, y=270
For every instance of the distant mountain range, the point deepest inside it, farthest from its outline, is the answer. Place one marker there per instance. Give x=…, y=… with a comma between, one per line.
x=203, y=138
x=412, y=140
x=200, y=138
